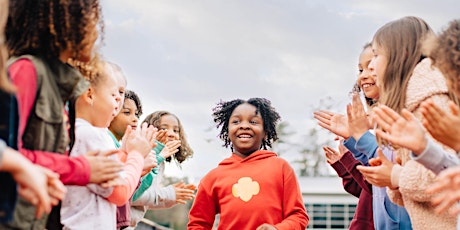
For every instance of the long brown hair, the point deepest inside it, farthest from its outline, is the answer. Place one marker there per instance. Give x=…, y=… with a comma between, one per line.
x=402, y=41
x=185, y=151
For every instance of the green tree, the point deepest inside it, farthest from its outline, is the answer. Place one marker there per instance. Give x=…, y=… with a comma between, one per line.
x=284, y=143
x=312, y=161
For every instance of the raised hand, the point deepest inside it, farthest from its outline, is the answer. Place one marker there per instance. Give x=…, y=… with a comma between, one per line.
x=171, y=147
x=358, y=123
x=103, y=169
x=447, y=186
x=442, y=125
x=150, y=162
x=150, y=134
x=56, y=189
x=378, y=175
x=162, y=136
x=332, y=155
x=334, y=122
x=137, y=141
x=405, y=131
x=183, y=193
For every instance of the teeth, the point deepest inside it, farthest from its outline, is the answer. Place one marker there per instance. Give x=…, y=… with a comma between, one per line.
x=244, y=136
x=367, y=85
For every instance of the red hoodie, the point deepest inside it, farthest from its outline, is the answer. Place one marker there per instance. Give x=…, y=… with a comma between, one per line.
x=261, y=188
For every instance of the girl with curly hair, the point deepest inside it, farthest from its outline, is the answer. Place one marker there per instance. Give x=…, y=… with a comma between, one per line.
x=41, y=38
x=172, y=146
x=254, y=188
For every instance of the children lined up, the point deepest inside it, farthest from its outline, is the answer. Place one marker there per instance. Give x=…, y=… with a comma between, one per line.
x=60, y=113
x=412, y=87
x=73, y=123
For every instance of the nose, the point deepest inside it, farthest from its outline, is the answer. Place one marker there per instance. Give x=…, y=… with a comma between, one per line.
x=170, y=133
x=244, y=125
x=371, y=65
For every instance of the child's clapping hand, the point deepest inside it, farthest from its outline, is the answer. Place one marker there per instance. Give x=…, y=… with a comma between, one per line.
x=137, y=141
x=184, y=192
x=150, y=162
x=171, y=147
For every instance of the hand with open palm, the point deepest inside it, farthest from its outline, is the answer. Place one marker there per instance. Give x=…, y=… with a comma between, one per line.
x=442, y=125
x=404, y=131
x=334, y=122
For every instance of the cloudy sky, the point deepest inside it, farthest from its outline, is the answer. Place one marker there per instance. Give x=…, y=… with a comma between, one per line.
x=184, y=56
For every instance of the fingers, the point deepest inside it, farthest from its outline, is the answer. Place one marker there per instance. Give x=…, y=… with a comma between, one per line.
x=382, y=156
x=385, y=117
x=103, y=169
x=92, y=153
x=128, y=132
x=357, y=104
x=179, y=184
x=445, y=200
x=367, y=171
x=408, y=116
x=161, y=136
x=384, y=135
x=144, y=129
x=185, y=194
x=323, y=118
x=190, y=186
x=118, y=181
x=454, y=109
x=109, y=152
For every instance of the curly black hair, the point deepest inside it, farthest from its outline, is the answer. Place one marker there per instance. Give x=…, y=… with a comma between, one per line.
x=224, y=109
x=49, y=27
x=129, y=94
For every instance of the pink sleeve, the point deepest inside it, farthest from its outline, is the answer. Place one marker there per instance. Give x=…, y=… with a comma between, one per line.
x=133, y=169
x=72, y=171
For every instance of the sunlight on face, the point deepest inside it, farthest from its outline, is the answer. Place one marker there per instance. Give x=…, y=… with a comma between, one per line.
x=366, y=81
x=379, y=63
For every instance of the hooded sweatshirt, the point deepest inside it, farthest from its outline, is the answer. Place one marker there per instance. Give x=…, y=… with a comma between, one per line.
x=248, y=192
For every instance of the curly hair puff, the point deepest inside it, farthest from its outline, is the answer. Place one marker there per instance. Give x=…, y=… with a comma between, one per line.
x=446, y=54
x=49, y=27
x=224, y=109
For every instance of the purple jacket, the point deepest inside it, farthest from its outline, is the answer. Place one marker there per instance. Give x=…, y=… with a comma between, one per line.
x=354, y=183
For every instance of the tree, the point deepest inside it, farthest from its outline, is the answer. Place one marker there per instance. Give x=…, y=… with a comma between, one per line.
x=284, y=138
x=312, y=161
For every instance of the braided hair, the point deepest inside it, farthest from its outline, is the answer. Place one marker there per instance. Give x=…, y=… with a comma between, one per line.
x=224, y=109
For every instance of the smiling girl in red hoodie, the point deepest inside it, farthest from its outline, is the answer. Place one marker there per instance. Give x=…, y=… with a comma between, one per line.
x=254, y=188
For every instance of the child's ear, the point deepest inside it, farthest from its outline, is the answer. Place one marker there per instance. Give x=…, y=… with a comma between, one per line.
x=88, y=96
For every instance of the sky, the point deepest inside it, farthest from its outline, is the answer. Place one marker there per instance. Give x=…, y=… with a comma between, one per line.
x=185, y=56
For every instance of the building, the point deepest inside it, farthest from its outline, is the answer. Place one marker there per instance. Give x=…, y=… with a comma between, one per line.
x=328, y=205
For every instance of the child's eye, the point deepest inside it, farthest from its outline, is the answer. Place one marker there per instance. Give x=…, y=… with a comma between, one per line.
x=176, y=131
x=360, y=70
x=235, y=122
x=253, y=122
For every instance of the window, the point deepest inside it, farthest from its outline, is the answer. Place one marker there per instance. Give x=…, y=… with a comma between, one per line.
x=330, y=216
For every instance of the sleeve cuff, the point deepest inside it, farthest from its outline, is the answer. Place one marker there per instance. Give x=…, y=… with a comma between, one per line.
x=395, y=172
x=339, y=168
